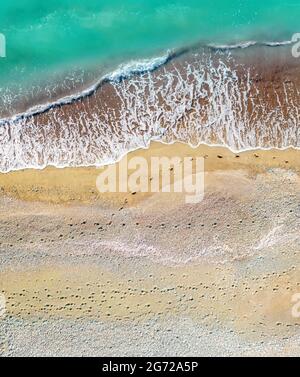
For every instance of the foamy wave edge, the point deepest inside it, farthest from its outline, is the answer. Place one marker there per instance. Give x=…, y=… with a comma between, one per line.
x=134, y=67
x=250, y=44
x=124, y=71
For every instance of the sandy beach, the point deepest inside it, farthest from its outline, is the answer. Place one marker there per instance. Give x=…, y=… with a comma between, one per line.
x=135, y=274
x=149, y=180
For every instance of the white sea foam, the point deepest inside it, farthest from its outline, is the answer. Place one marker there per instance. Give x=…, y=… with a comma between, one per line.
x=275, y=44
x=123, y=71
x=137, y=66
x=209, y=98
x=247, y=44
x=234, y=45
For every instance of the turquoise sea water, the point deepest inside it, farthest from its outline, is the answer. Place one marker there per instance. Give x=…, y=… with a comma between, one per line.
x=56, y=109
x=45, y=38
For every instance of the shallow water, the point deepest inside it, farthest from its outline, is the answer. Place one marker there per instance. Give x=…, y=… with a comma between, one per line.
x=94, y=81
x=56, y=46
x=245, y=99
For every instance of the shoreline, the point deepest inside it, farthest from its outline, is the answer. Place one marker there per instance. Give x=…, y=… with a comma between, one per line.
x=75, y=262
x=244, y=100
x=150, y=179
x=137, y=67
x=79, y=183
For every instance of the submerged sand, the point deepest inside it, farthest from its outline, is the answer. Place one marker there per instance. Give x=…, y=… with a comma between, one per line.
x=241, y=98
x=85, y=273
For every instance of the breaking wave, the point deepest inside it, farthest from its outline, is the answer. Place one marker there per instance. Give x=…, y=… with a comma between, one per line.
x=215, y=95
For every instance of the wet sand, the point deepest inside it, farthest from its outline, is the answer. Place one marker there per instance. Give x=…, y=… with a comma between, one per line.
x=85, y=273
x=244, y=99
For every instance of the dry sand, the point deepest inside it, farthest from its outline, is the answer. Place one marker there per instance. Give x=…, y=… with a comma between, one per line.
x=85, y=273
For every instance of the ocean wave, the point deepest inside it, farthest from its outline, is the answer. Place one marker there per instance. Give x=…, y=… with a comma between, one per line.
x=208, y=96
x=247, y=44
x=135, y=67
x=233, y=46
x=122, y=72
x=276, y=44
